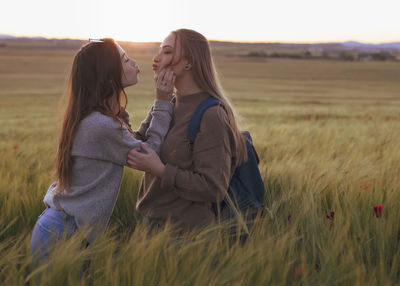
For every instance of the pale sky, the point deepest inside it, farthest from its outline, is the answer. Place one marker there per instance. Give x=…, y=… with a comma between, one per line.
x=245, y=20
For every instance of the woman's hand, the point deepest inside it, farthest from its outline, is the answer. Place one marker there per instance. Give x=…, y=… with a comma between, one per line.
x=164, y=82
x=148, y=162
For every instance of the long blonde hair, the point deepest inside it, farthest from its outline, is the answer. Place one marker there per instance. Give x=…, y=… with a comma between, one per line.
x=196, y=49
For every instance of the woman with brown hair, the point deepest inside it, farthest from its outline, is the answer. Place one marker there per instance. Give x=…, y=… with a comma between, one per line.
x=94, y=143
x=194, y=176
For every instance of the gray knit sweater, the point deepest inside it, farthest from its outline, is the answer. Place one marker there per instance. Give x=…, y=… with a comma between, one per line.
x=99, y=152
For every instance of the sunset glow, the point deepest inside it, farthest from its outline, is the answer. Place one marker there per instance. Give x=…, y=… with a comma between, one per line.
x=252, y=20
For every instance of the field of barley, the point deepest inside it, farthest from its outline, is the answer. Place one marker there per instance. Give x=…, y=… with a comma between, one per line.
x=328, y=135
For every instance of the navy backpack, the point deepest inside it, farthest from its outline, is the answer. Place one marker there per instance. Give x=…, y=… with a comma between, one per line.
x=246, y=188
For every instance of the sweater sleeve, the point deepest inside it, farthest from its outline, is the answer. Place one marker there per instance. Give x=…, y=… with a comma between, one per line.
x=101, y=137
x=144, y=125
x=141, y=132
x=212, y=159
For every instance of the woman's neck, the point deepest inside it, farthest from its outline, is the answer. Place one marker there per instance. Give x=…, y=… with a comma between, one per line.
x=187, y=91
x=186, y=86
x=115, y=107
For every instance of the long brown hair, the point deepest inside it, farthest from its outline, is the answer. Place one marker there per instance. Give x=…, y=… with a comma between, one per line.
x=196, y=49
x=95, y=79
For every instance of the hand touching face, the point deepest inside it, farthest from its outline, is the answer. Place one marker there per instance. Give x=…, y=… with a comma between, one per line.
x=164, y=83
x=169, y=56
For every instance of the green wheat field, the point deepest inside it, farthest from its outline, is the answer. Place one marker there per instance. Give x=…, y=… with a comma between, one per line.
x=328, y=135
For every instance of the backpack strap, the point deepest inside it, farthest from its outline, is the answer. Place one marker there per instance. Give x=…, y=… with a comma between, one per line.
x=194, y=124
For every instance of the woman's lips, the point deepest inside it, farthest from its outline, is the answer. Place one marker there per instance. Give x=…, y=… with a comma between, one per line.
x=154, y=67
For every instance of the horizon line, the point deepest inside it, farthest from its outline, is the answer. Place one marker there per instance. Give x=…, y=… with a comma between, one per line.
x=211, y=40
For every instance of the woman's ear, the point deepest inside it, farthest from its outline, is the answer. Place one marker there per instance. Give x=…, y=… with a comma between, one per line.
x=187, y=66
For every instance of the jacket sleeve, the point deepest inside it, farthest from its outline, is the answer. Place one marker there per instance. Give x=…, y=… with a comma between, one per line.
x=101, y=137
x=212, y=162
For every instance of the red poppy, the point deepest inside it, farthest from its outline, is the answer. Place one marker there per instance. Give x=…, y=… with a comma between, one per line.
x=330, y=216
x=15, y=147
x=308, y=116
x=289, y=217
x=378, y=210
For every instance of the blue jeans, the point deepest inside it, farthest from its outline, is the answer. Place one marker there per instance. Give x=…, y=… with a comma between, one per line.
x=50, y=227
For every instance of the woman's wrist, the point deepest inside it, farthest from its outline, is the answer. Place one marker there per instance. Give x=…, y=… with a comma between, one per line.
x=163, y=95
x=159, y=172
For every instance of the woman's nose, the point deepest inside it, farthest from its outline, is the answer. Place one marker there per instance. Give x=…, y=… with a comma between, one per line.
x=156, y=58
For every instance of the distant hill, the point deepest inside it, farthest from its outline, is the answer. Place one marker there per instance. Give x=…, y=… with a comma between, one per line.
x=350, y=45
x=334, y=45
x=358, y=45
x=7, y=36
x=3, y=36
x=346, y=51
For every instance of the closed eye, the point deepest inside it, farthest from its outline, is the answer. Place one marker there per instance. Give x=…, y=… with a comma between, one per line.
x=125, y=58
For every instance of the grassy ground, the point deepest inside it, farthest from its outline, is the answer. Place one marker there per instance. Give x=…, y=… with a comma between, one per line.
x=327, y=133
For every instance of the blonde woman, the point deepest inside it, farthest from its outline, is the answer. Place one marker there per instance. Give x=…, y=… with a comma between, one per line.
x=193, y=177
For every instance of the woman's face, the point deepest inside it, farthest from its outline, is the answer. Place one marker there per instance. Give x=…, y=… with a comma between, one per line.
x=129, y=67
x=168, y=56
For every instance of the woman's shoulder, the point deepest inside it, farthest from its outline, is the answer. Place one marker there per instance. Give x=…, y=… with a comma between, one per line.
x=97, y=118
x=214, y=126
x=215, y=116
x=98, y=122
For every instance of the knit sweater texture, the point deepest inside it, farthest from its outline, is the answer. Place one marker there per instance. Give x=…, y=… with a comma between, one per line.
x=99, y=152
x=196, y=175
